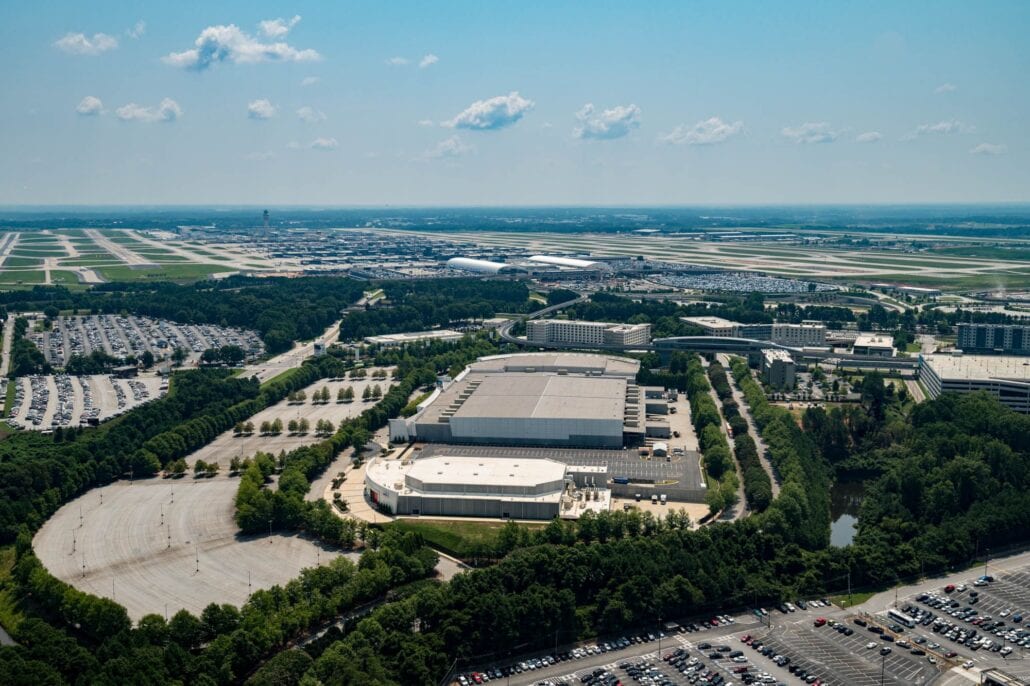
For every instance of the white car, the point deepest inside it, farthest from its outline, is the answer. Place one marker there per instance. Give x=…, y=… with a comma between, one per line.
x=968, y=664
x=870, y=645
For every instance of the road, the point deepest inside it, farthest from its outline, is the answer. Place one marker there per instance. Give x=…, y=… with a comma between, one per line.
x=293, y=357
x=5, y=360
x=739, y=508
x=745, y=412
x=915, y=390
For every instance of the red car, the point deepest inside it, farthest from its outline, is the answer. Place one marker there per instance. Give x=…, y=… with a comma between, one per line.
x=746, y=638
x=950, y=653
x=819, y=621
x=949, y=588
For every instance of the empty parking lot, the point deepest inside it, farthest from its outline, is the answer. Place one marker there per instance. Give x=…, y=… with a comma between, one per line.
x=158, y=546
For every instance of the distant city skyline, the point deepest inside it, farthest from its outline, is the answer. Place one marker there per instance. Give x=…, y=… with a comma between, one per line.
x=568, y=104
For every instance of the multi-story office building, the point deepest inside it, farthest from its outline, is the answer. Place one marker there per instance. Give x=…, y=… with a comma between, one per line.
x=1011, y=339
x=586, y=333
x=778, y=368
x=799, y=335
x=794, y=335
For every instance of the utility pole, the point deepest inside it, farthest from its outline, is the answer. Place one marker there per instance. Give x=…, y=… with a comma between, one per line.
x=987, y=559
x=659, y=637
x=248, y=581
x=196, y=552
x=883, y=664
x=849, y=586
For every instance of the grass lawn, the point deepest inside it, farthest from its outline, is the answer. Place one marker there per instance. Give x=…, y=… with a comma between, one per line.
x=913, y=347
x=8, y=276
x=64, y=277
x=12, y=385
x=13, y=261
x=167, y=272
x=856, y=599
x=461, y=539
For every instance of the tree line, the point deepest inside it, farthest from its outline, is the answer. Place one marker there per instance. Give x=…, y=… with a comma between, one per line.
x=757, y=484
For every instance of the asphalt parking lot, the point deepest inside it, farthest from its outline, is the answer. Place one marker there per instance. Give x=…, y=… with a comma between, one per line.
x=841, y=659
x=161, y=545
x=1007, y=597
x=122, y=336
x=228, y=445
x=44, y=403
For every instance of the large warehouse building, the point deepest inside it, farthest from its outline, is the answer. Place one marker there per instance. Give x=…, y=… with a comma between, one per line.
x=469, y=486
x=1006, y=377
x=544, y=399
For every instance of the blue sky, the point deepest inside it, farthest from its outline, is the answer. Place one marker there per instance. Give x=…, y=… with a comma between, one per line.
x=478, y=103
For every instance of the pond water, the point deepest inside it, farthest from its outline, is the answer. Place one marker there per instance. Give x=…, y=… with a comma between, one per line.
x=845, y=501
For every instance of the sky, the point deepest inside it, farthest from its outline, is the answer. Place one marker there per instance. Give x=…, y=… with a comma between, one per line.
x=524, y=103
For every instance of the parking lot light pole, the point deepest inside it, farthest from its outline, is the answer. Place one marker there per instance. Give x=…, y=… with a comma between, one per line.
x=659, y=637
x=883, y=664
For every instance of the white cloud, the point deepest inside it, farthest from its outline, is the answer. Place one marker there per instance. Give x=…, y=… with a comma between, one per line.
x=811, y=132
x=492, y=114
x=260, y=109
x=227, y=43
x=988, y=149
x=90, y=106
x=309, y=115
x=309, y=80
x=450, y=147
x=707, y=132
x=607, y=125
x=428, y=60
x=397, y=61
x=941, y=128
x=426, y=122
x=137, y=30
x=81, y=44
x=167, y=110
x=945, y=88
x=324, y=144
x=869, y=137
x=277, y=28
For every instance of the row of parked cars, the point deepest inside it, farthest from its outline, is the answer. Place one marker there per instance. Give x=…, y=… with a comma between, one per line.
x=804, y=673
x=581, y=652
x=122, y=336
x=978, y=631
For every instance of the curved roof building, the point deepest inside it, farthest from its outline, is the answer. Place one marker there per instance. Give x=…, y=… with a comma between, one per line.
x=469, y=264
